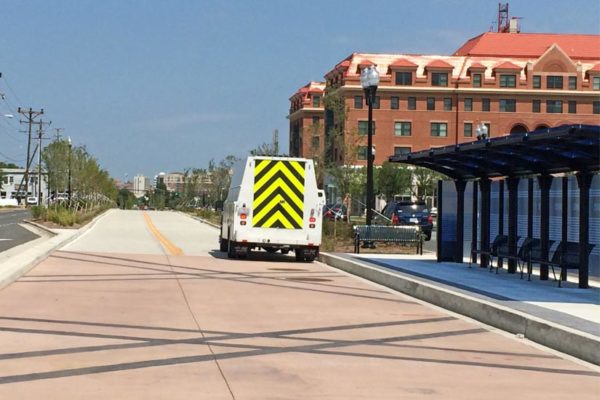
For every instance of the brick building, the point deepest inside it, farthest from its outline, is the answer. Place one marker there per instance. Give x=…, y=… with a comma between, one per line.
x=306, y=121
x=511, y=82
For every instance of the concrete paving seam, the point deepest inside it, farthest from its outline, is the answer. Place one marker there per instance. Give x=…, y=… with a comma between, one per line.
x=563, y=339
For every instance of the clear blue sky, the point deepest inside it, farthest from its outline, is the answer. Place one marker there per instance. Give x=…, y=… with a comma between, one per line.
x=152, y=86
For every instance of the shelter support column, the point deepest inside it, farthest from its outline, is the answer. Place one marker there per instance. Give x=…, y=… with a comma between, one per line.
x=545, y=182
x=564, y=220
x=584, y=181
x=460, y=219
x=485, y=219
x=513, y=187
x=500, y=217
x=474, y=222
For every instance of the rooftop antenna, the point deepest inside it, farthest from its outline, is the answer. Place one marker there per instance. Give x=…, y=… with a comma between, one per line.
x=503, y=20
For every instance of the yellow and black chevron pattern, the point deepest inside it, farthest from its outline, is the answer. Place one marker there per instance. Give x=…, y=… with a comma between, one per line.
x=278, y=194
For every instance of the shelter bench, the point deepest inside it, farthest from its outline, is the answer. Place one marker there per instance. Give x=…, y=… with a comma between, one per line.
x=491, y=251
x=389, y=234
x=565, y=257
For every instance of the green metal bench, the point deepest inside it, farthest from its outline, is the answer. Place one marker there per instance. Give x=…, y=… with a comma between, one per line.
x=389, y=234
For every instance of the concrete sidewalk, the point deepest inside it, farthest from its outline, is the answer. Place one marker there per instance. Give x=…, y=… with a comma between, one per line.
x=566, y=319
x=19, y=260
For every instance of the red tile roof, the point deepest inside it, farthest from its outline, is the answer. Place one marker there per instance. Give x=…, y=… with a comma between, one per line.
x=596, y=68
x=507, y=65
x=477, y=65
x=403, y=62
x=366, y=63
x=439, y=64
x=531, y=45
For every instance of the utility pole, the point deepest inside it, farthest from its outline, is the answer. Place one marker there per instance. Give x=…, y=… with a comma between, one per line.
x=276, y=142
x=57, y=134
x=31, y=115
x=40, y=134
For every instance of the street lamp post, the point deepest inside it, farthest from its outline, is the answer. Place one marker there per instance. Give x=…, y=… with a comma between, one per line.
x=482, y=131
x=69, y=179
x=369, y=79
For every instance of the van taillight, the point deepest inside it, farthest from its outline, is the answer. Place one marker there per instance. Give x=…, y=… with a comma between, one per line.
x=242, y=216
x=430, y=219
x=312, y=219
x=395, y=219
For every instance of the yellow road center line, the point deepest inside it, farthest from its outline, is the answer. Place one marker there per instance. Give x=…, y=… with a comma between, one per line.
x=167, y=244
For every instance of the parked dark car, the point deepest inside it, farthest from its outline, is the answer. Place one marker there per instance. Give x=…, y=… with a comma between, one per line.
x=409, y=213
x=335, y=211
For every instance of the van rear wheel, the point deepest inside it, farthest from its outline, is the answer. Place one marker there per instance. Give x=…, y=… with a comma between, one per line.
x=231, y=249
x=224, y=244
x=299, y=254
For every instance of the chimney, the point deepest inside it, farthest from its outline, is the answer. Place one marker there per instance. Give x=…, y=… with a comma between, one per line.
x=514, y=25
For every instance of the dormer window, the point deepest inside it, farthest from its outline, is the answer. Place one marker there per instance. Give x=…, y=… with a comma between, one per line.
x=439, y=79
x=508, y=80
x=404, y=78
x=476, y=80
x=316, y=101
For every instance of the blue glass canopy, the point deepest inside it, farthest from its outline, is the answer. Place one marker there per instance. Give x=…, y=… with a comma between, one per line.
x=567, y=148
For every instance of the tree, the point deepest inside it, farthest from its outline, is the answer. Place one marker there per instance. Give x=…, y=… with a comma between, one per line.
x=220, y=176
x=126, y=200
x=55, y=158
x=392, y=179
x=424, y=182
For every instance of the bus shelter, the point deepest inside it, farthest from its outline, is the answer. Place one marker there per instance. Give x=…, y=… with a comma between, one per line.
x=542, y=184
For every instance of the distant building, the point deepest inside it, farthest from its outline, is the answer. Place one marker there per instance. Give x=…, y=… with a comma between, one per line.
x=174, y=181
x=12, y=178
x=141, y=184
x=506, y=82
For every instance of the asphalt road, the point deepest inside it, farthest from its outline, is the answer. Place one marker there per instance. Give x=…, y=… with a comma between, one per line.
x=11, y=234
x=144, y=306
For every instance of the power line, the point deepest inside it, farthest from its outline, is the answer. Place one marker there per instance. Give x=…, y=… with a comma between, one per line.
x=10, y=88
x=10, y=158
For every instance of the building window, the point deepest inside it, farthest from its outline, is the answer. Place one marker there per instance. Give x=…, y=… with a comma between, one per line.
x=404, y=78
x=399, y=151
x=468, y=104
x=572, y=83
x=439, y=129
x=537, y=82
x=476, y=80
x=508, y=105
x=362, y=152
x=376, y=103
x=395, y=103
x=554, y=106
x=315, y=142
x=596, y=83
x=447, y=104
x=572, y=107
x=554, y=82
x=316, y=101
x=536, y=106
x=402, y=128
x=363, y=127
x=508, y=81
x=468, y=129
x=358, y=102
x=412, y=103
x=439, y=79
x=431, y=103
x=315, y=120
x=596, y=107
x=485, y=104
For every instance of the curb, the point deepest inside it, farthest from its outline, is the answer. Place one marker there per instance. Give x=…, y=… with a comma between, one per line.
x=201, y=220
x=20, y=264
x=566, y=340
